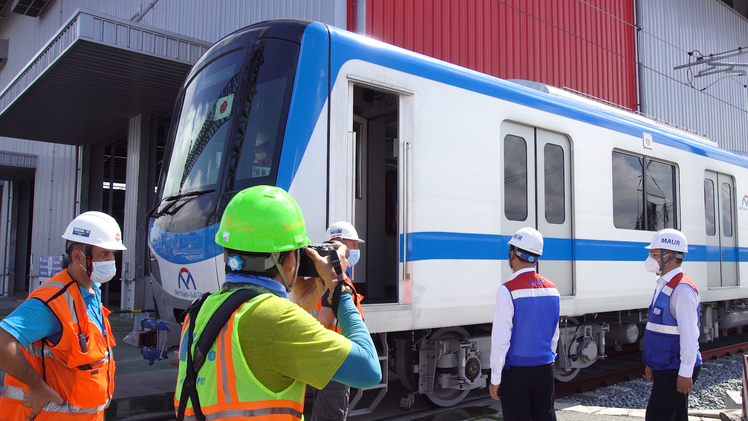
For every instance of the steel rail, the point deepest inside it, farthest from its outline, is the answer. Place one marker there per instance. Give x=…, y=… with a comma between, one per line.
x=621, y=375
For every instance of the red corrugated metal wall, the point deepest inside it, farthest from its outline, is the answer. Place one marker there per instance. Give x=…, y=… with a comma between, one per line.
x=586, y=45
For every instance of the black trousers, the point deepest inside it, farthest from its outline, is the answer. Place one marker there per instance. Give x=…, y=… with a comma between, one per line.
x=666, y=403
x=527, y=393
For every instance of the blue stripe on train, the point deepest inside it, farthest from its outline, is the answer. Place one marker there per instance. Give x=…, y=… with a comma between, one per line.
x=197, y=246
x=459, y=246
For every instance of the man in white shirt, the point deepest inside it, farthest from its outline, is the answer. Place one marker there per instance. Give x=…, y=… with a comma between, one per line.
x=671, y=339
x=524, y=336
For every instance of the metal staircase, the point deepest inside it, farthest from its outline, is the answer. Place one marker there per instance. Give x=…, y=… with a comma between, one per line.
x=382, y=386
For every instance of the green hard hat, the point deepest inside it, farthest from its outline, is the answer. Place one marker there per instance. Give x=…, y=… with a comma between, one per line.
x=262, y=219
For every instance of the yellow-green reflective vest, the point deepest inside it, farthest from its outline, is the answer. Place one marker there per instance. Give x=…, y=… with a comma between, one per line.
x=227, y=388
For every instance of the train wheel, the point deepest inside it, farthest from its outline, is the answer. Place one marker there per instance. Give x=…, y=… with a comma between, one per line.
x=404, y=360
x=447, y=397
x=566, y=376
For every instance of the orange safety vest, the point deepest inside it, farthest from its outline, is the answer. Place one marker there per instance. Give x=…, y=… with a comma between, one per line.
x=78, y=367
x=334, y=326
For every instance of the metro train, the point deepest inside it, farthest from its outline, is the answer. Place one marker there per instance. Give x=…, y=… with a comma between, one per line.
x=437, y=166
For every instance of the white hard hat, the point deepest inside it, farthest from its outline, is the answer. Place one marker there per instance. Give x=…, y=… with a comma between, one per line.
x=669, y=239
x=96, y=229
x=529, y=240
x=342, y=230
x=261, y=139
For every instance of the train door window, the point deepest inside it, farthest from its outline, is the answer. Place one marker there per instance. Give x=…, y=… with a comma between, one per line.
x=721, y=243
x=643, y=193
x=709, y=207
x=726, y=210
x=515, y=178
x=555, y=211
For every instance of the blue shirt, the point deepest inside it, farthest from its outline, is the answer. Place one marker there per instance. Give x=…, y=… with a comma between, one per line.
x=33, y=320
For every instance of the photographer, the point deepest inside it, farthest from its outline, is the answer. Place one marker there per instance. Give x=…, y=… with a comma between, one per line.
x=270, y=348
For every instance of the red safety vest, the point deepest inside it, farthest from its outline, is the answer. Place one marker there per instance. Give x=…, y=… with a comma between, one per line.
x=78, y=367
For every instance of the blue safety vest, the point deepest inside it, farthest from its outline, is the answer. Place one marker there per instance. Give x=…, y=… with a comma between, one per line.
x=661, y=337
x=536, y=311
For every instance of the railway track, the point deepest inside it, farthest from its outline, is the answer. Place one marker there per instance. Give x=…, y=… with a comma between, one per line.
x=619, y=367
x=619, y=375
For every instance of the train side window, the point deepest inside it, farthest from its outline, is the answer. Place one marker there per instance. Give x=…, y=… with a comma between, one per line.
x=726, y=210
x=555, y=210
x=515, y=178
x=709, y=207
x=643, y=193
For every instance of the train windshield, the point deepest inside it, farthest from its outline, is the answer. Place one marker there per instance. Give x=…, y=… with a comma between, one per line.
x=253, y=88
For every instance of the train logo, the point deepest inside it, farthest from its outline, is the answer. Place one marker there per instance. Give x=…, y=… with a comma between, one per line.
x=185, y=277
x=744, y=204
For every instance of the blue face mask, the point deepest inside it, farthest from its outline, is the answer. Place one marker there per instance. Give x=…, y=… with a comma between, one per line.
x=354, y=256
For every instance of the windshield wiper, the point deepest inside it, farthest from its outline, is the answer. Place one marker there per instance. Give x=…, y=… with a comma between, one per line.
x=167, y=210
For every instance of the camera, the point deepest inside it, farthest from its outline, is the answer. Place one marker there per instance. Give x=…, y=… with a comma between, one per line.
x=306, y=264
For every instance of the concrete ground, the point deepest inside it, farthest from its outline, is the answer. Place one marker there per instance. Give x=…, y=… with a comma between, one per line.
x=144, y=393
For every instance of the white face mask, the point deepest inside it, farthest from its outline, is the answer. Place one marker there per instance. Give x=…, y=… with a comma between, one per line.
x=261, y=156
x=652, y=265
x=103, y=271
x=353, y=258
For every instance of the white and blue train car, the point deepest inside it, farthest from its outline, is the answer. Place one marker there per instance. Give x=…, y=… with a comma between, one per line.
x=437, y=166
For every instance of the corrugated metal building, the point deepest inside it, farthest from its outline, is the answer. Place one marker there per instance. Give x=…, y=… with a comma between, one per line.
x=103, y=75
x=95, y=81
x=588, y=46
x=28, y=168
x=714, y=105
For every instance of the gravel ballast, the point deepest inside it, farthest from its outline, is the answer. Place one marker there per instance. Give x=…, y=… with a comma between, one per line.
x=716, y=378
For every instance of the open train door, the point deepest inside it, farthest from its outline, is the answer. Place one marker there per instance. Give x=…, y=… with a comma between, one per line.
x=537, y=193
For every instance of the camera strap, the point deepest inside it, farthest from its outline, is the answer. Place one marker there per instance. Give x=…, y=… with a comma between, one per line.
x=335, y=260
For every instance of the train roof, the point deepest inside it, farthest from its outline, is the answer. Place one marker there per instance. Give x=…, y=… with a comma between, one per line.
x=599, y=104
x=349, y=46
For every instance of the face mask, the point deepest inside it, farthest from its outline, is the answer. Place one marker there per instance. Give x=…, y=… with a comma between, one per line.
x=353, y=258
x=103, y=271
x=261, y=156
x=652, y=265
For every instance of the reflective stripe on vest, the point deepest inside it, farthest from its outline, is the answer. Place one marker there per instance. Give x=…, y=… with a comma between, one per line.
x=225, y=385
x=36, y=351
x=246, y=413
x=16, y=393
x=669, y=330
x=661, y=328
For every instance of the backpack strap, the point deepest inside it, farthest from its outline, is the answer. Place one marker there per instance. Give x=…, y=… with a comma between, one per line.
x=208, y=337
x=189, y=391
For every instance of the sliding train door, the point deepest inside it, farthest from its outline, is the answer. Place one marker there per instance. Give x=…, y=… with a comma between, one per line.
x=537, y=193
x=721, y=251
